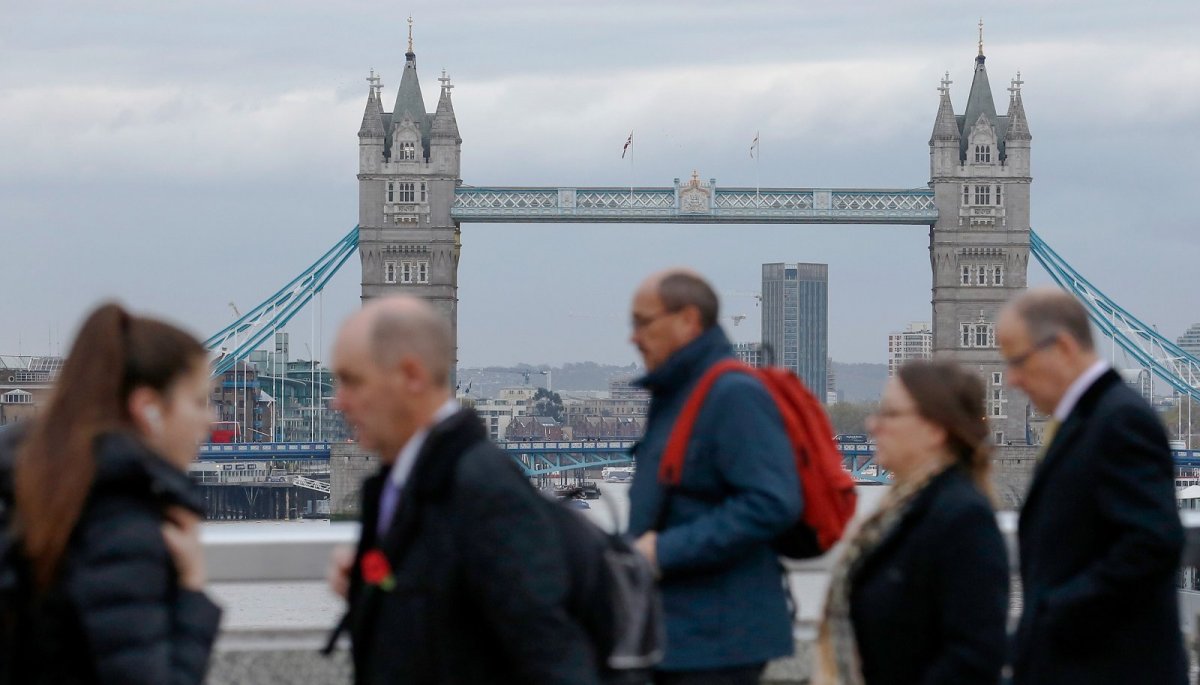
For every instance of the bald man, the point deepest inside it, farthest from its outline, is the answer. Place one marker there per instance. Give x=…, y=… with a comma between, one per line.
x=459, y=575
x=1100, y=535
x=710, y=537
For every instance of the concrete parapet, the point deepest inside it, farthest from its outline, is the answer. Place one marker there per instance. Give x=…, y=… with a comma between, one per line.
x=1012, y=471
x=349, y=466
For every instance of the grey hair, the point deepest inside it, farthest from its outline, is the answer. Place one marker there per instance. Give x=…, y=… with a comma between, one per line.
x=1046, y=313
x=417, y=331
x=680, y=289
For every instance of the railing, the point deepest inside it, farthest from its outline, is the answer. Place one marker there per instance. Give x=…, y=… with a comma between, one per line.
x=694, y=202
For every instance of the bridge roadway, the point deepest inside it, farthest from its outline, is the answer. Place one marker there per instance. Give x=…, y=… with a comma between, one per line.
x=535, y=458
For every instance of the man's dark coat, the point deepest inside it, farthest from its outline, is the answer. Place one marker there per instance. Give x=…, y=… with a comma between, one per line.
x=1100, y=542
x=480, y=577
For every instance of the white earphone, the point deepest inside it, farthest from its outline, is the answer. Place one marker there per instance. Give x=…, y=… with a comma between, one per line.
x=153, y=417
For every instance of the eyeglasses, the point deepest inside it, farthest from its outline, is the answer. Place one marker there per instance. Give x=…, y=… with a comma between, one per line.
x=1019, y=360
x=637, y=323
x=891, y=413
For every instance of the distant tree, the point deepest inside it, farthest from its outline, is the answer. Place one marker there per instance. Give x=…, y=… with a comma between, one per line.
x=1178, y=421
x=850, y=417
x=547, y=403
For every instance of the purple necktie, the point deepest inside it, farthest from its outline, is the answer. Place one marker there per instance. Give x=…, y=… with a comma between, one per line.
x=387, y=506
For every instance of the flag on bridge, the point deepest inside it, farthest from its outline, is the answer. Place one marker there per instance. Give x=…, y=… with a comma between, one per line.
x=628, y=143
x=754, y=146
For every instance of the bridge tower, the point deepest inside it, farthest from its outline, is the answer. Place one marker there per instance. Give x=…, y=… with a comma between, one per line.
x=407, y=171
x=979, y=246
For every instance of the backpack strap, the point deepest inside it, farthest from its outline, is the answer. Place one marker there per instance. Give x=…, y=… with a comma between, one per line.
x=670, y=468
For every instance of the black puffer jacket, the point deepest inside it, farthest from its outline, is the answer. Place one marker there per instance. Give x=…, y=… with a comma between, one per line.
x=117, y=614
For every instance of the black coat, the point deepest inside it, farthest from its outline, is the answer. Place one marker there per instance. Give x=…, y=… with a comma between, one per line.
x=480, y=576
x=929, y=604
x=1101, y=541
x=118, y=614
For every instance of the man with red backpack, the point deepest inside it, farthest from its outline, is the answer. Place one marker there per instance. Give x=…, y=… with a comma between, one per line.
x=708, y=523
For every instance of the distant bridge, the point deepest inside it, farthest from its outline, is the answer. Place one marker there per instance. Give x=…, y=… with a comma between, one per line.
x=535, y=458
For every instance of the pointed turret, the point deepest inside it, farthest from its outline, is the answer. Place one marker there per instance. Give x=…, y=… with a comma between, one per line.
x=944, y=148
x=371, y=133
x=1016, y=139
x=444, y=123
x=945, y=126
x=979, y=100
x=444, y=141
x=1018, y=126
x=408, y=97
x=372, y=123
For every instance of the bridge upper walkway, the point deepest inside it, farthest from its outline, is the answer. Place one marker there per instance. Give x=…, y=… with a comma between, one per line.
x=694, y=203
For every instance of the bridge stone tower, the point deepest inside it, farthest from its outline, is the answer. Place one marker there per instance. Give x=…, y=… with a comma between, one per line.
x=407, y=171
x=979, y=247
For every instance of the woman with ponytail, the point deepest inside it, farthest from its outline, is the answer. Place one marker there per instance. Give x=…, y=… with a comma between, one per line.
x=920, y=592
x=103, y=576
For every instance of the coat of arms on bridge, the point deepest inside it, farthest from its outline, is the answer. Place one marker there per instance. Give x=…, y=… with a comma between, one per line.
x=695, y=196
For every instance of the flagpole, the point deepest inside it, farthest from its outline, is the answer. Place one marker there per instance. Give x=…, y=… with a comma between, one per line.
x=756, y=153
x=631, y=146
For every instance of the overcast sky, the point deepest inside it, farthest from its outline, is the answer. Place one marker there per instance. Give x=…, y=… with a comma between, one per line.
x=179, y=156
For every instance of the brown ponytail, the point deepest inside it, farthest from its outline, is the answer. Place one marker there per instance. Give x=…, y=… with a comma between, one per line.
x=953, y=398
x=113, y=354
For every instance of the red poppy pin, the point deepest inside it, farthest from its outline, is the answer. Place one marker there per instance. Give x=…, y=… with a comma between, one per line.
x=377, y=571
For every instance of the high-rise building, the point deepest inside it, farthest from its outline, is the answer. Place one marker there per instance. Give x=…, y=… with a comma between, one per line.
x=831, y=392
x=749, y=353
x=795, y=319
x=1190, y=341
x=915, y=342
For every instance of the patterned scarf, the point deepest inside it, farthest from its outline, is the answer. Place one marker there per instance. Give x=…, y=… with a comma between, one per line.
x=837, y=660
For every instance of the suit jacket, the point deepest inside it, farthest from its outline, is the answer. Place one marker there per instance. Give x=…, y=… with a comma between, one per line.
x=1100, y=542
x=930, y=602
x=480, y=577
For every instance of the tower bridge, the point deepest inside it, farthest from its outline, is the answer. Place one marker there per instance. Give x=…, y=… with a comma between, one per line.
x=975, y=203
x=412, y=203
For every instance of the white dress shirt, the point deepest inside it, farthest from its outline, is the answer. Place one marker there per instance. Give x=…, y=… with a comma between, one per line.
x=1071, y=397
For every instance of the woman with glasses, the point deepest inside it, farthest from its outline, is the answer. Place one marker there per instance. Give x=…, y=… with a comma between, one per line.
x=920, y=592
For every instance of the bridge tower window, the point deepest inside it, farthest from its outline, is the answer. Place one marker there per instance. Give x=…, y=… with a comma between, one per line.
x=389, y=272
x=983, y=154
x=408, y=151
x=983, y=195
x=979, y=335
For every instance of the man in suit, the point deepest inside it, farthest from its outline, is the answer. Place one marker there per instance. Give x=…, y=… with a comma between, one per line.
x=459, y=576
x=1100, y=535
x=722, y=586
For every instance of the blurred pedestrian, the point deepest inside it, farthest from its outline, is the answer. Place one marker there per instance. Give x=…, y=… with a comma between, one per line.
x=710, y=537
x=103, y=575
x=459, y=575
x=920, y=592
x=1100, y=535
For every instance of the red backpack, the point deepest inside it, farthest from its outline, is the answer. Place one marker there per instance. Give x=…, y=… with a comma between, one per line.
x=827, y=489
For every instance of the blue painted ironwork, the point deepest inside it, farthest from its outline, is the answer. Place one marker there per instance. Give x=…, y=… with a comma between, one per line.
x=694, y=203
x=253, y=328
x=1152, y=351
x=270, y=451
x=535, y=458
